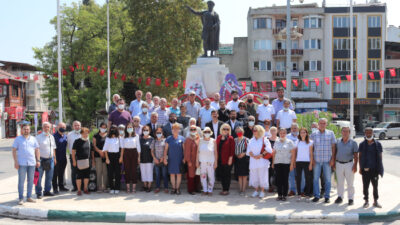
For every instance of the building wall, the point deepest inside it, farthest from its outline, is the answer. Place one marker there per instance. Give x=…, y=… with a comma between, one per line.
x=393, y=34
x=237, y=62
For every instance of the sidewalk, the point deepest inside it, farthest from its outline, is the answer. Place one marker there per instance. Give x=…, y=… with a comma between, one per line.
x=150, y=207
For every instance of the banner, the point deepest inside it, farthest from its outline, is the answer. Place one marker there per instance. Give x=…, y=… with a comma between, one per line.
x=229, y=85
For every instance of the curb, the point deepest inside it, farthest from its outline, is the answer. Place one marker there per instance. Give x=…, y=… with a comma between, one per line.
x=122, y=217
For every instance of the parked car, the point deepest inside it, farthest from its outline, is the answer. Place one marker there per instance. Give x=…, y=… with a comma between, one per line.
x=387, y=130
x=344, y=123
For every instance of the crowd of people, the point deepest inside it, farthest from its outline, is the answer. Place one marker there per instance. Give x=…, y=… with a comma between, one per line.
x=263, y=143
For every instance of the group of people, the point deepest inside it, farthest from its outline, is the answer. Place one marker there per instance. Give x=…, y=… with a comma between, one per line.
x=263, y=143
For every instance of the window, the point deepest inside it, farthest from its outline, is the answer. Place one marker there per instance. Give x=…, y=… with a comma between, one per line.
x=306, y=44
x=38, y=87
x=343, y=21
x=281, y=44
x=262, y=65
x=14, y=91
x=256, y=66
x=262, y=45
x=343, y=44
x=294, y=66
x=374, y=64
x=312, y=65
x=262, y=23
x=3, y=90
x=295, y=44
x=280, y=66
x=343, y=65
x=312, y=44
x=374, y=43
x=374, y=21
x=294, y=22
x=306, y=23
x=312, y=22
x=38, y=102
x=343, y=87
x=280, y=23
x=269, y=23
x=374, y=87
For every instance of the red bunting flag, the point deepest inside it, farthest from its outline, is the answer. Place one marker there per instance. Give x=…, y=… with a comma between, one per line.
x=284, y=83
x=392, y=72
x=348, y=77
x=88, y=69
x=148, y=81
x=254, y=83
x=360, y=76
x=184, y=84
x=123, y=78
x=338, y=80
x=101, y=72
x=77, y=66
x=274, y=83
x=83, y=67
x=158, y=81
x=371, y=75
x=7, y=81
x=176, y=84
x=54, y=75
x=316, y=81
x=25, y=77
x=295, y=83
x=20, y=77
x=305, y=82
x=243, y=84
x=45, y=76
x=36, y=77
x=71, y=68
x=327, y=80
x=382, y=73
x=64, y=72
x=166, y=82
x=95, y=69
x=115, y=75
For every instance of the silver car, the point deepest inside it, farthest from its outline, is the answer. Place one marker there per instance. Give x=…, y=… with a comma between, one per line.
x=387, y=130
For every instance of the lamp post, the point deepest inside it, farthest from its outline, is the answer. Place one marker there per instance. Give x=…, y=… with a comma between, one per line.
x=351, y=72
x=108, y=94
x=60, y=76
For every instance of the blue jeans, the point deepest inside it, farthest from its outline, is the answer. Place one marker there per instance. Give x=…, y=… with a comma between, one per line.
x=48, y=178
x=23, y=171
x=292, y=181
x=161, y=171
x=327, y=178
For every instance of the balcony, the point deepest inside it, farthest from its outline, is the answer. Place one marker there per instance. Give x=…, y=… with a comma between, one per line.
x=306, y=94
x=282, y=74
x=31, y=108
x=282, y=52
x=391, y=102
x=30, y=92
x=277, y=31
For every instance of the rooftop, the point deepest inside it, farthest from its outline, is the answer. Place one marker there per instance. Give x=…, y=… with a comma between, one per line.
x=21, y=66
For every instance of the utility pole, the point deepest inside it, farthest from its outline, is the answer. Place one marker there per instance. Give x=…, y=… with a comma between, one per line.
x=60, y=76
x=288, y=52
x=351, y=72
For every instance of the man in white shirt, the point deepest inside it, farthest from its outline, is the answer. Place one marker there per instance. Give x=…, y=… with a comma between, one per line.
x=47, y=148
x=136, y=105
x=234, y=103
x=215, y=103
x=149, y=100
x=265, y=111
x=71, y=137
x=205, y=113
x=156, y=104
x=286, y=116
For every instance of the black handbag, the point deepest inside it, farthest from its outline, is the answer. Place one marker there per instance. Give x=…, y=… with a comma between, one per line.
x=46, y=164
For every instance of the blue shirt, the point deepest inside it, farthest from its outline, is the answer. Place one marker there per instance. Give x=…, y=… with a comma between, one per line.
x=177, y=111
x=323, y=145
x=111, y=108
x=278, y=105
x=61, y=146
x=26, y=150
x=144, y=118
x=135, y=107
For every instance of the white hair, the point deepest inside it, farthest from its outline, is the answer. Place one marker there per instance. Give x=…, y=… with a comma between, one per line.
x=323, y=119
x=192, y=120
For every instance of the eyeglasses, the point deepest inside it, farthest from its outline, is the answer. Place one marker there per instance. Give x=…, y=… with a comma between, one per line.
x=207, y=132
x=227, y=129
x=193, y=129
x=251, y=120
x=242, y=106
x=145, y=130
x=135, y=121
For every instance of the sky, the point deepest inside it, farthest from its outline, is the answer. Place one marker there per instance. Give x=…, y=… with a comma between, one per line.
x=25, y=24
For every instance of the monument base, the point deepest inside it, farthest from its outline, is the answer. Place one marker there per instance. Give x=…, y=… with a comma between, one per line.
x=208, y=72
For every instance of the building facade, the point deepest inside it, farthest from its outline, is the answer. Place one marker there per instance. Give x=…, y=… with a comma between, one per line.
x=391, y=101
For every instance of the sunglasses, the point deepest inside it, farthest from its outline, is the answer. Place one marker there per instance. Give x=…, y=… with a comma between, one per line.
x=193, y=129
x=207, y=132
x=227, y=129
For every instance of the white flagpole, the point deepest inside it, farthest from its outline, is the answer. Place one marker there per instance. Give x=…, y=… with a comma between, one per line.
x=60, y=107
x=108, y=56
x=351, y=72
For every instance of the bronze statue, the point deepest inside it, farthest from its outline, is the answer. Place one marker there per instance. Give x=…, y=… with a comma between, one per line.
x=210, y=34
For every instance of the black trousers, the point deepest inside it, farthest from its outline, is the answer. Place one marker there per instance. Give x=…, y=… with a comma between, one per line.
x=114, y=171
x=282, y=178
x=58, y=175
x=303, y=166
x=73, y=172
x=368, y=177
x=225, y=172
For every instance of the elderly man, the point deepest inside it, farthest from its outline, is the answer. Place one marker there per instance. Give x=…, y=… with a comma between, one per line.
x=174, y=107
x=113, y=105
x=136, y=105
x=47, y=148
x=286, y=116
x=61, y=156
x=153, y=124
x=156, y=104
x=26, y=155
x=324, y=149
x=186, y=131
x=234, y=103
x=251, y=106
x=193, y=107
x=346, y=158
x=71, y=137
x=144, y=115
x=183, y=118
x=215, y=103
x=265, y=111
x=149, y=100
x=162, y=112
x=371, y=165
x=205, y=113
x=119, y=116
x=137, y=125
x=293, y=136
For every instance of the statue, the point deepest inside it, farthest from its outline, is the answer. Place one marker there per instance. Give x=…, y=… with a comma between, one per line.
x=210, y=34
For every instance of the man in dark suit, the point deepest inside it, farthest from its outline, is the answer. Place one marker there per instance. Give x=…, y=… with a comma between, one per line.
x=214, y=124
x=153, y=124
x=167, y=128
x=233, y=123
x=223, y=112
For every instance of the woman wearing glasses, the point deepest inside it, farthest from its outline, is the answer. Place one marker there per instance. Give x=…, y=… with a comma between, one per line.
x=226, y=151
x=190, y=146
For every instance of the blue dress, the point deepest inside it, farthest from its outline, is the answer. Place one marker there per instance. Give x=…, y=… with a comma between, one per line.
x=175, y=153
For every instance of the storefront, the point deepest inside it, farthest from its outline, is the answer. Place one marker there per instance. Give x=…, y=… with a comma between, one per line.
x=3, y=116
x=391, y=115
x=15, y=114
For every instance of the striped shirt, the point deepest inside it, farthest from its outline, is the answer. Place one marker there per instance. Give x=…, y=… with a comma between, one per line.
x=323, y=145
x=241, y=145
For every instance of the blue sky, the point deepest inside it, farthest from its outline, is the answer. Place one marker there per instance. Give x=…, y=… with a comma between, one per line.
x=25, y=23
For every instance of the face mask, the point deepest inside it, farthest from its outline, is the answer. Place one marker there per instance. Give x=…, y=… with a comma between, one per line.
x=314, y=130
x=121, y=107
x=121, y=132
x=207, y=135
x=103, y=130
x=85, y=139
x=172, y=120
x=235, y=99
x=159, y=135
x=62, y=130
x=240, y=134
x=145, y=133
x=193, y=133
x=145, y=110
x=285, y=109
x=251, y=123
x=78, y=131
x=129, y=130
x=295, y=133
x=266, y=102
x=369, y=138
x=250, y=100
x=242, y=111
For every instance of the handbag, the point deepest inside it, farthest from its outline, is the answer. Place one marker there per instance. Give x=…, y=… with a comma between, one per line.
x=266, y=155
x=46, y=164
x=82, y=164
x=198, y=171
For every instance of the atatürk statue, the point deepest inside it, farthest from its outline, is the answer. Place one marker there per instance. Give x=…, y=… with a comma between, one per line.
x=210, y=34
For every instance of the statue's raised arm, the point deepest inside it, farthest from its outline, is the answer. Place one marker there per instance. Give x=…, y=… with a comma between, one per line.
x=194, y=11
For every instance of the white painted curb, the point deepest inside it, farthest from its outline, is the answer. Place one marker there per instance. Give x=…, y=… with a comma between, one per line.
x=8, y=210
x=33, y=213
x=331, y=217
x=164, y=218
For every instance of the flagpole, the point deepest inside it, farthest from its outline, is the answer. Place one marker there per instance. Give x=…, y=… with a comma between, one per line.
x=108, y=56
x=60, y=107
x=351, y=72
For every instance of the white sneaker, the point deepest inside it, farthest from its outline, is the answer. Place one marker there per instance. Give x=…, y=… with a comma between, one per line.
x=112, y=192
x=262, y=195
x=21, y=202
x=255, y=194
x=299, y=199
x=116, y=191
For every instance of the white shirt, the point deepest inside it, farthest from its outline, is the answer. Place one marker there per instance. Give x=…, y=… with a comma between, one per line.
x=215, y=105
x=135, y=107
x=303, y=151
x=232, y=105
x=255, y=146
x=205, y=116
x=111, y=145
x=132, y=142
x=215, y=128
x=47, y=144
x=206, y=151
x=71, y=137
x=286, y=118
x=265, y=112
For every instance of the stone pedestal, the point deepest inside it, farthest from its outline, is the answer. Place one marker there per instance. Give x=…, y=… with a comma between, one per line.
x=209, y=72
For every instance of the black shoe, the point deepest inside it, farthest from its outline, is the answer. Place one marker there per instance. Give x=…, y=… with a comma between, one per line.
x=366, y=205
x=148, y=190
x=327, y=200
x=351, y=202
x=63, y=189
x=178, y=192
x=74, y=189
x=315, y=199
x=377, y=205
x=283, y=198
x=192, y=193
x=48, y=194
x=173, y=191
x=338, y=200
x=279, y=198
x=322, y=194
x=56, y=192
x=39, y=196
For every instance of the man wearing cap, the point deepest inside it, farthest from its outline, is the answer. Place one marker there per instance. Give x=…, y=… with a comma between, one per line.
x=193, y=107
x=234, y=103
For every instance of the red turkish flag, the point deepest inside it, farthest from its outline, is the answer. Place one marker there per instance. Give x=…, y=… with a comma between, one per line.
x=7, y=81
x=77, y=66
x=243, y=85
x=88, y=69
x=115, y=75
x=176, y=84
x=327, y=81
x=316, y=81
x=64, y=72
x=184, y=84
x=274, y=83
x=148, y=81
x=305, y=81
x=371, y=75
x=36, y=77
x=382, y=73
x=54, y=75
x=284, y=83
x=166, y=82
x=254, y=83
x=123, y=78
x=158, y=81
x=71, y=68
x=348, y=77
x=101, y=72
x=139, y=80
x=360, y=76
x=338, y=80
x=95, y=69
x=83, y=67
x=392, y=72
x=295, y=83
x=25, y=77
